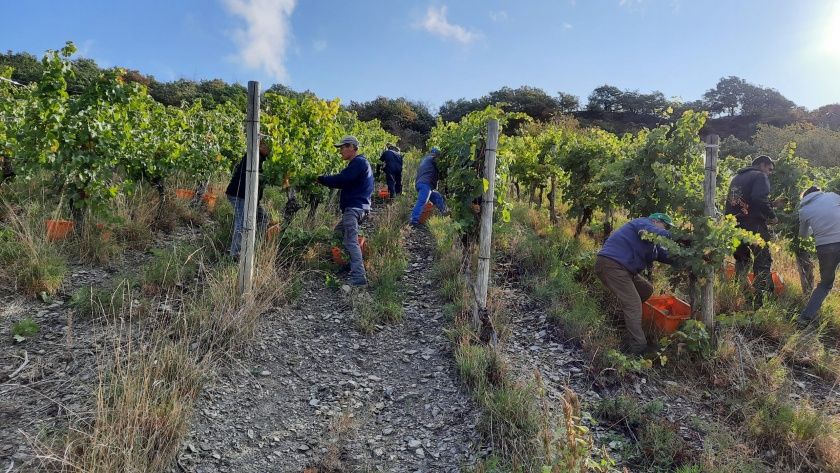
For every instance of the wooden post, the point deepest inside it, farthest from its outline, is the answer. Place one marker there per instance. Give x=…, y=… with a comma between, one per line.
x=252, y=131
x=487, y=201
x=709, y=186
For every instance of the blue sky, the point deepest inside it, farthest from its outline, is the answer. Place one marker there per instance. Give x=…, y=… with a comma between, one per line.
x=437, y=50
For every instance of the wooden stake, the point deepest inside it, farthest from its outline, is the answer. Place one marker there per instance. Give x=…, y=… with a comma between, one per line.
x=246, y=257
x=487, y=202
x=709, y=187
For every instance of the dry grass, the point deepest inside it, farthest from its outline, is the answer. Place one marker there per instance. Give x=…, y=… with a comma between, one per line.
x=28, y=261
x=142, y=407
x=218, y=319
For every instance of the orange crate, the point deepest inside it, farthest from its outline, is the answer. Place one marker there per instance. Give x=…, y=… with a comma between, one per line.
x=427, y=212
x=338, y=252
x=273, y=231
x=778, y=280
x=210, y=200
x=665, y=313
x=184, y=193
x=59, y=229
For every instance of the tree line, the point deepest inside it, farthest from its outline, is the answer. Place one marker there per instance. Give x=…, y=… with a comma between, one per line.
x=738, y=110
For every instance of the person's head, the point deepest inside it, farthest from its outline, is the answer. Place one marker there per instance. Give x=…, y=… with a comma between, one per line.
x=264, y=146
x=661, y=220
x=393, y=147
x=434, y=152
x=348, y=147
x=810, y=190
x=764, y=164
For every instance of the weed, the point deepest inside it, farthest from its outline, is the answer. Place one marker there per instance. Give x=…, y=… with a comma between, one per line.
x=170, y=267
x=26, y=328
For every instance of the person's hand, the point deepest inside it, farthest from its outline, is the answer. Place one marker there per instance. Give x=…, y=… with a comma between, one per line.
x=773, y=221
x=780, y=202
x=317, y=179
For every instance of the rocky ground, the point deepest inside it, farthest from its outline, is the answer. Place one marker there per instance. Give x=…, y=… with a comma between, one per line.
x=314, y=392
x=49, y=379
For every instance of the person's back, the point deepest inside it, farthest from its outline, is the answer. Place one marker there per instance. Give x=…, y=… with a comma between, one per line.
x=393, y=161
x=821, y=212
x=747, y=198
x=427, y=172
x=626, y=246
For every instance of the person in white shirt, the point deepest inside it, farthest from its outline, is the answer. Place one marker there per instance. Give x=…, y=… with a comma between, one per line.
x=819, y=214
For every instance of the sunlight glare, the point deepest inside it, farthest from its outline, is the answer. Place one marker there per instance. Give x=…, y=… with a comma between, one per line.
x=831, y=34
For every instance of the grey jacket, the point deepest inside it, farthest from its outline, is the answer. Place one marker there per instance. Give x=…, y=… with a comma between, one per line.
x=819, y=213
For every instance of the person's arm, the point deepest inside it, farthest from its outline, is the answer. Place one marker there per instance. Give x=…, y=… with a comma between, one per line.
x=804, y=227
x=345, y=177
x=760, y=198
x=662, y=255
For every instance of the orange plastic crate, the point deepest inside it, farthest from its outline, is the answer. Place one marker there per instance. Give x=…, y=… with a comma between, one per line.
x=665, y=313
x=184, y=193
x=59, y=229
x=210, y=200
x=338, y=254
x=778, y=280
x=427, y=212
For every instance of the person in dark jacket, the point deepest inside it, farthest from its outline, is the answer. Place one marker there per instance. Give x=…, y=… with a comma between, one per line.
x=235, y=193
x=748, y=200
x=426, y=183
x=624, y=255
x=356, y=184
x=392, y=161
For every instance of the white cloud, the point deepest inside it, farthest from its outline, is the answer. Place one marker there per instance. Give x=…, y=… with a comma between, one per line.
x=436, y=23
x=567, y=26
x=319, y=45
x=265, y=37
x=500, y=15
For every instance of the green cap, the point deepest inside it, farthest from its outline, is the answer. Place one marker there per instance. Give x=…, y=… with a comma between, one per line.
x=662, y=218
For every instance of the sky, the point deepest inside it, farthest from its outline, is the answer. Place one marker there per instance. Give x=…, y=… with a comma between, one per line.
x=433, y=51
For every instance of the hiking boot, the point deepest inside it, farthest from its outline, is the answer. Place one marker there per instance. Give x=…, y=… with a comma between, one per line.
x=358, y=282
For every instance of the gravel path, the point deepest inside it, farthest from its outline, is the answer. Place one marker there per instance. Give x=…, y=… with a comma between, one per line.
x=313, y=392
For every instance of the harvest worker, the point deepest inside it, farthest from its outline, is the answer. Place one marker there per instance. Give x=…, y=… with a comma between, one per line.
x=819, y=213
x=624, y=255
x=748, y=200
x=235, y=193
x=356, y=184
x=393, y=163
x=426, y=183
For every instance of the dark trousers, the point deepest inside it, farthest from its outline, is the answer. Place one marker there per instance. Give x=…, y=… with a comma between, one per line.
x=761, y=261
x=394, y=181
x=631, y=290
x=828, y=257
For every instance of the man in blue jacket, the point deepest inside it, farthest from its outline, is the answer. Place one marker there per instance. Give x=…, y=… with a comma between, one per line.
x=624, y=255
x=426, y=183
x=393, y=163
x=356, y=184
x=819, y=214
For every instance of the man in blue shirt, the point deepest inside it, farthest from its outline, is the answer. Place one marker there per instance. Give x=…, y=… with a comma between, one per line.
x=393, y=164
x=356, y=184
x=624, y=255
x=426, y=183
